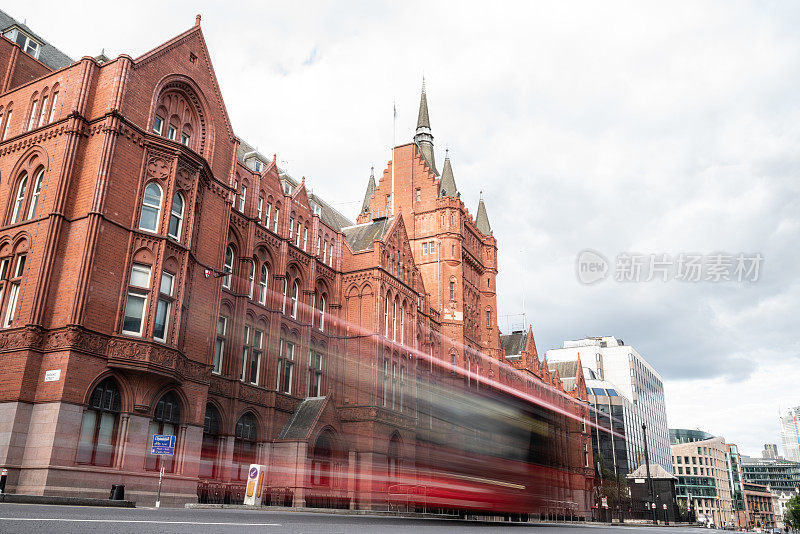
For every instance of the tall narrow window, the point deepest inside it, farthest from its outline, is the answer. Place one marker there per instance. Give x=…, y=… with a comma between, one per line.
x=262, y=290
x=151, y=208
x=452, y=290
x=400, y=389
x=305, y=238
x=277, y=216
x=19, y=200
x=244, y=446
x=402, y=324
x=291, y=227
x=255, y=357
x=315, y=375
x=245, y=353
x=394, y=320
x=185, y=139
x=172, y=131
x=268, y=214
x=210, y=446
x=13, y=292
x=5, y=125
x=53, y=107
x=176, y=217
x=297, y=241
x=424, y=248
x=242, y=198
x=219, y=346
x=330, y=257
x=164, y=307
x=251, y=279
x=98, y=428
x=260, y=208
x=394, y=385
x=319, y=244
x=136, y=305
x=325, y=252
x=158, y=125
x=386, y=317
x=285, y=366
x=322, y=313
x=32, y=121
x=43, y=114
x=227, y=268
x=295, y=298
x=385, y=389
x=488, y=318
x=37, y=190
x=285, y=294
x=165, y=422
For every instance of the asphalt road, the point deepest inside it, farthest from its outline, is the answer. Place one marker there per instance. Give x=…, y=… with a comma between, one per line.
x=42, y=519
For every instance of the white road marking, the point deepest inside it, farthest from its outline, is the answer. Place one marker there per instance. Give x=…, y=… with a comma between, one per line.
x=137, y=521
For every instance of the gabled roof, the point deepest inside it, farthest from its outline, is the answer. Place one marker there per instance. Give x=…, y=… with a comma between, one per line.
x=302, y=421
x=513, y=343
x=482, y=219
x=447, y=184
x=568, y=371
x=656, y=471
x=48, y=54
x=362, y=236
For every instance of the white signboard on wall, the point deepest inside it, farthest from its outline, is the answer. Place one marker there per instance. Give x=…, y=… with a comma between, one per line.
x=53, y=375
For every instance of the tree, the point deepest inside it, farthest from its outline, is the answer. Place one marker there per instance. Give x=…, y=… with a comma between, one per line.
x=793, y=511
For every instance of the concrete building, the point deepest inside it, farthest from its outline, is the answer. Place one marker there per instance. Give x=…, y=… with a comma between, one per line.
x=158, y=275
x=779, y=475
x=611, y=360
x=790, y=434
x=701, y=465
x=736, y=483
x=770, y=451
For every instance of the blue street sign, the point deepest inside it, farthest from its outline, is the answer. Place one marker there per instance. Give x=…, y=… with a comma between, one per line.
x=163, y=445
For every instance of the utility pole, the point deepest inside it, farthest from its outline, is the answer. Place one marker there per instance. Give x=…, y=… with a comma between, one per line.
x=649, y=478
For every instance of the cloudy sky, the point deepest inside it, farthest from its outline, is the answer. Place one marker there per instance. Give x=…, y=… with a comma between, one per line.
x=639, y=128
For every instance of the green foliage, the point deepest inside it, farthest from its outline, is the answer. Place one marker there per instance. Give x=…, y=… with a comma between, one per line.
x=793, y=511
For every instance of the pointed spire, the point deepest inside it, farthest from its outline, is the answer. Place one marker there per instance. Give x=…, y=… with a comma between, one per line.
x=423, y=137
x=482, y=219
x=447, y=184
x=366, y=206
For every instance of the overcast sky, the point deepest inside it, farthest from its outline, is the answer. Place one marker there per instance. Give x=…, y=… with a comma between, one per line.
x=660, y=128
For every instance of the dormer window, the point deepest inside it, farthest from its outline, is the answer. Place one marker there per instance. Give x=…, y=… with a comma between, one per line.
x=257, y=165
x=158, y=125
x=287, y=187
x=28, y=44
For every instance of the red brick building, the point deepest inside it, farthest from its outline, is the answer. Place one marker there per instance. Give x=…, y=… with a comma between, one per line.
x=160, y=276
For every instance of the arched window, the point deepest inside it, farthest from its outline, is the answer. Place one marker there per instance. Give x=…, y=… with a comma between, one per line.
x=20, y=199
x=402, y=324
x=210, y=447
x=165, y=421
x=251, y=279
x=285, y=294
x=386, y=316
x=321, y=460
x=295, y=298
x=394, y=320
x=244, y=445
x=176, y=217
x=262, y=293
x=37, y=189
x=394, y=457
x=322, y=313
x=99, y=426
x=151, y=208
x=227, y=268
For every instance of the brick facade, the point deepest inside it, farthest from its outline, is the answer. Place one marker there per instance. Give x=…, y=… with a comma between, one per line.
x=221, y=300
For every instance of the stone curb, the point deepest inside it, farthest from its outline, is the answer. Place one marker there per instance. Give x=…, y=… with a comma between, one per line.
x=72, y=501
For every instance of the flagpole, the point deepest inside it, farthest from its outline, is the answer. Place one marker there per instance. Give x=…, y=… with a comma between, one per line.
x=394, y=136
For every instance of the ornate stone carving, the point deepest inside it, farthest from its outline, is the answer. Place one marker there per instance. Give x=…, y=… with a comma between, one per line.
x=158, y=168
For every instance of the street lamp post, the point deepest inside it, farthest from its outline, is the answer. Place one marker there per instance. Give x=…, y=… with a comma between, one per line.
x=649, y=478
